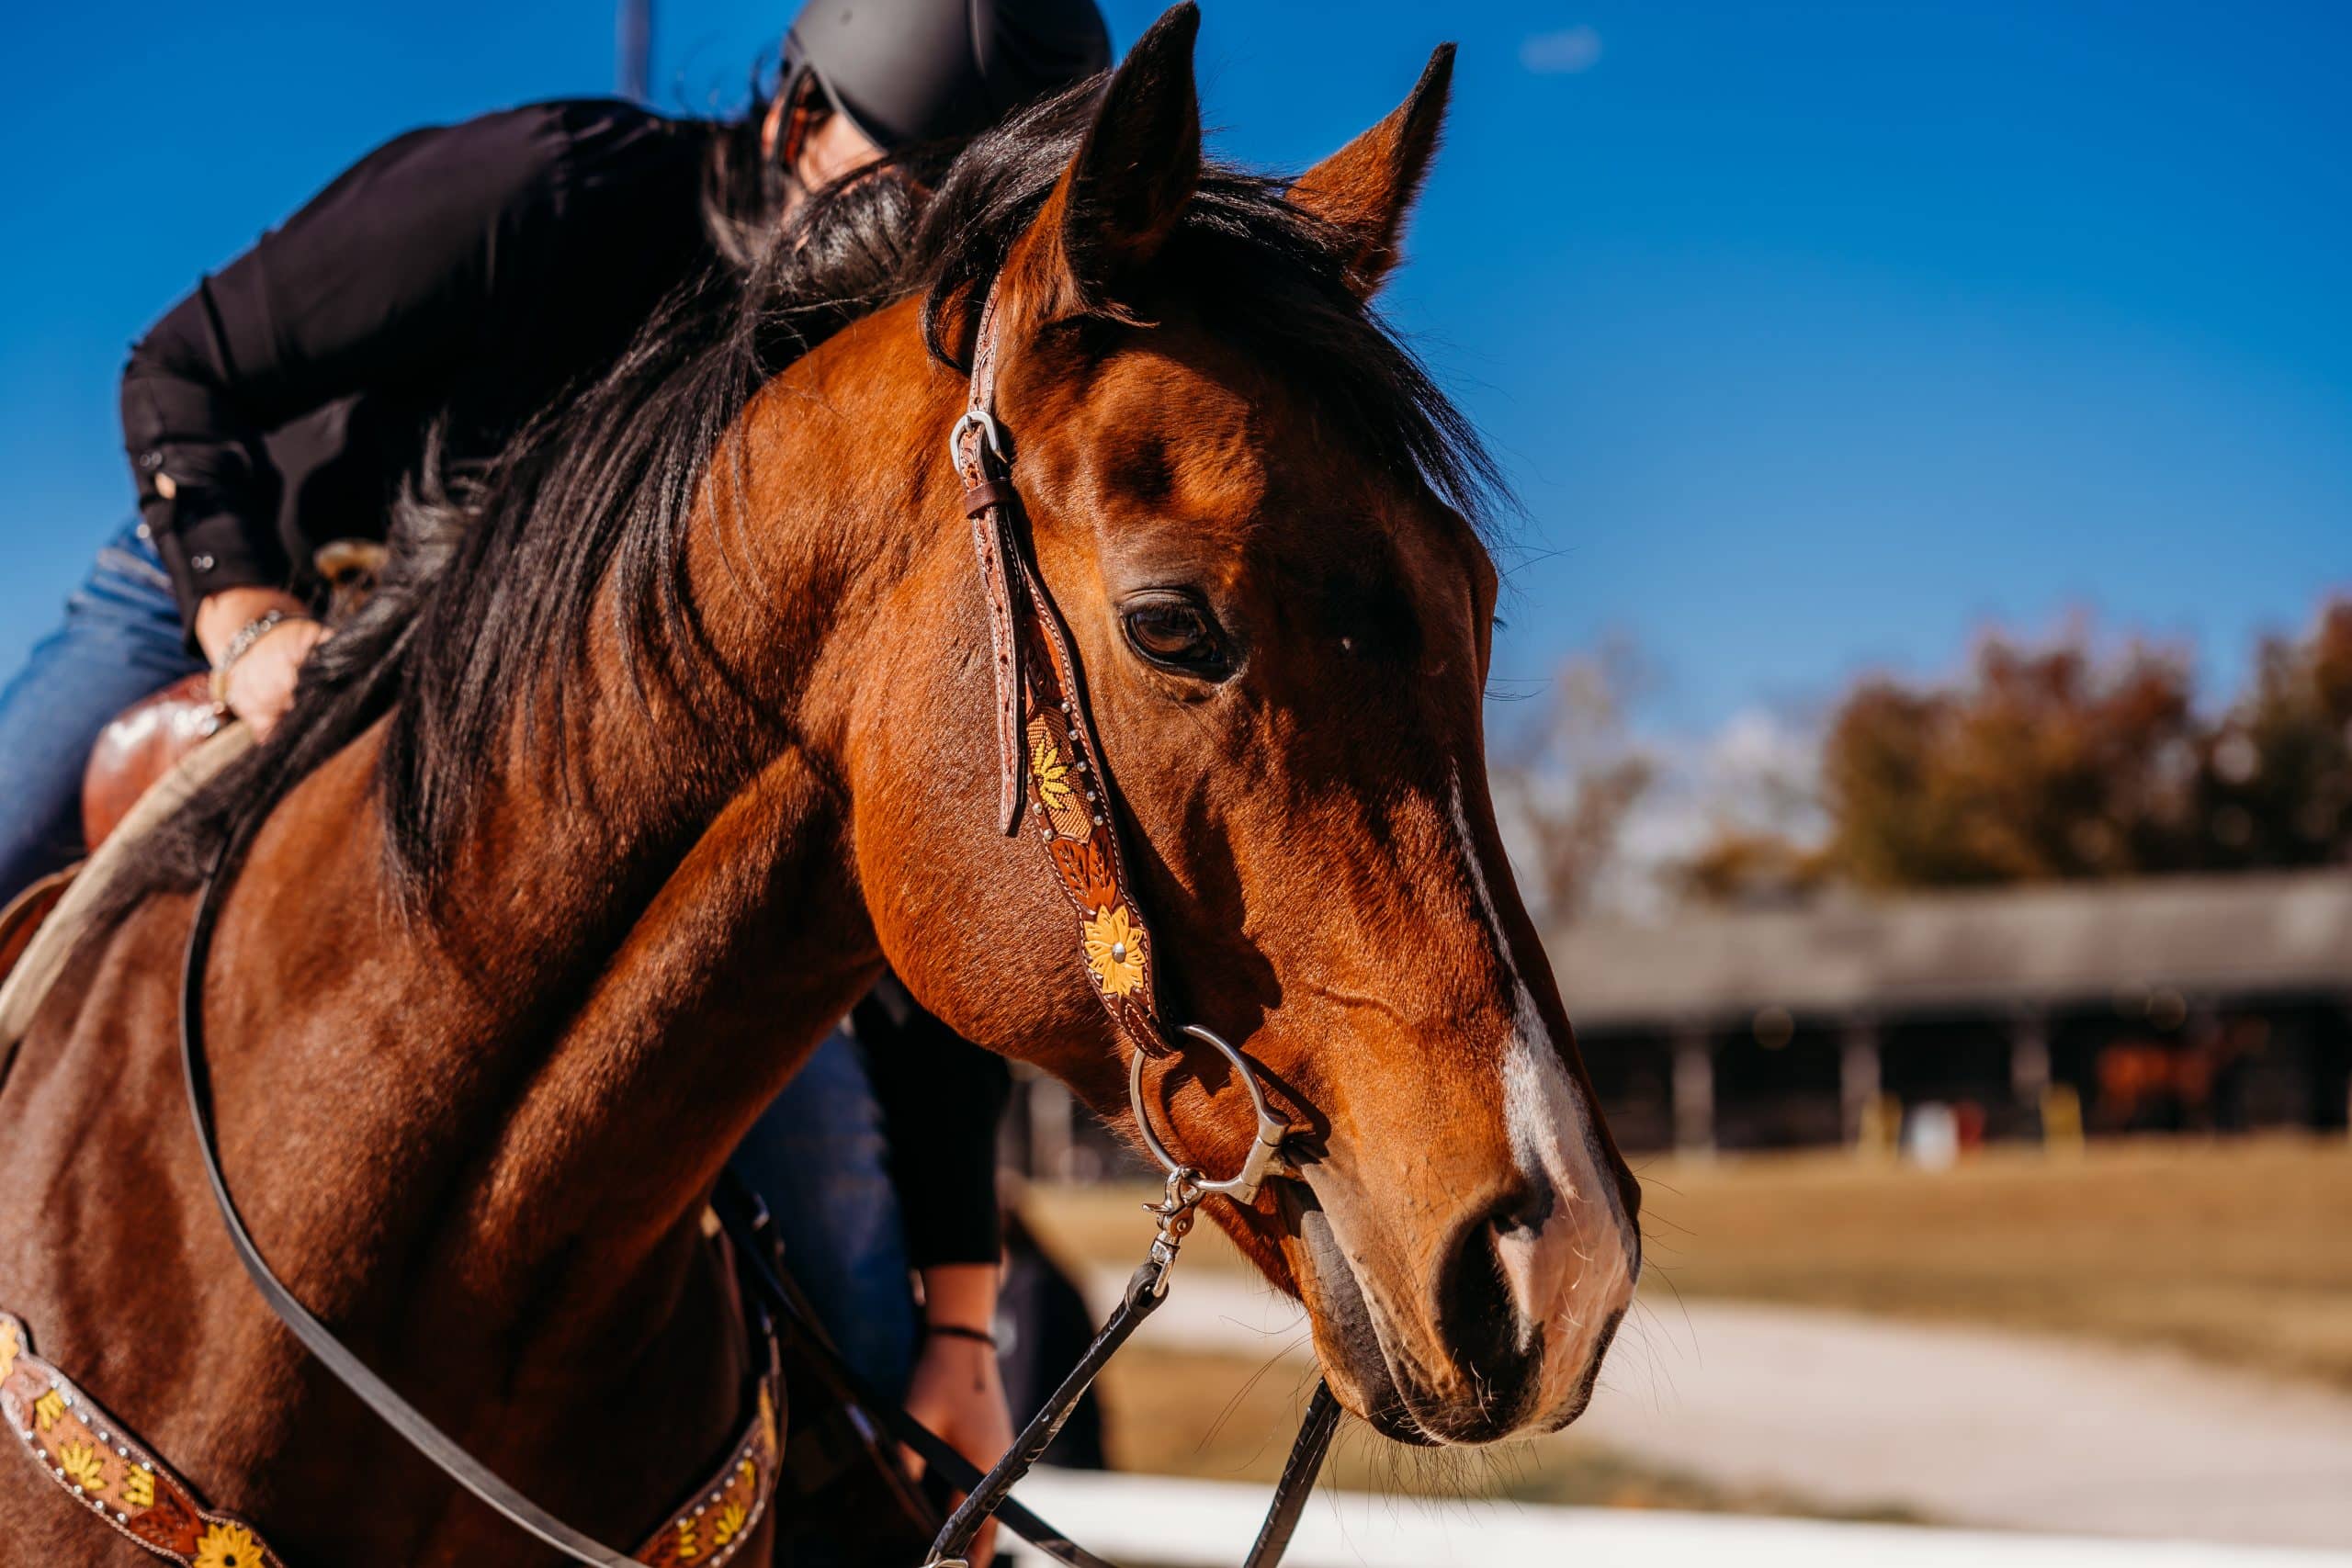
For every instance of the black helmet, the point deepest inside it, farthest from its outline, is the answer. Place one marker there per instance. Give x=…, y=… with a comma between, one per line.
x=911, y=71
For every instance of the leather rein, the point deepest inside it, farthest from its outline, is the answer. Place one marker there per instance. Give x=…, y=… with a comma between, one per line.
x=1051, y=763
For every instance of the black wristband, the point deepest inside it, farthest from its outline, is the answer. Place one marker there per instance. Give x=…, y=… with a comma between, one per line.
x=957, y=1331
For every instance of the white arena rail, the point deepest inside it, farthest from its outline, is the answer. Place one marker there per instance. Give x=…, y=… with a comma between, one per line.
x=1146, y=1521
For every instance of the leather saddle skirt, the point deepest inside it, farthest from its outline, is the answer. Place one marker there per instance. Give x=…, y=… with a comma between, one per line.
x=139, y=746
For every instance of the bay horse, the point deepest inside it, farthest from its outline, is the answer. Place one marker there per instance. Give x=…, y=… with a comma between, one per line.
x=579, y=847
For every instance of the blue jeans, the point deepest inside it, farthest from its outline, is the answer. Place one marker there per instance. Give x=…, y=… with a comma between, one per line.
x=120, y=640
x=818, y=1156
x=820, y=1160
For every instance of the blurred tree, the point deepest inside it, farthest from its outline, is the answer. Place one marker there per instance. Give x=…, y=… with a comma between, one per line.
x=1751, y=868
x=1567, y=778
x=2276, y=785
x=2053, y=762
x=2045, y=765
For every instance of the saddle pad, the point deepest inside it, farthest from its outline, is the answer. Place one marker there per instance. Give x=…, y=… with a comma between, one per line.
x=44, y=959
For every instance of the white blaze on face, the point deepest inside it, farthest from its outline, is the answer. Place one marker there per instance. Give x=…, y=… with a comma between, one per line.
x=1573, y=1273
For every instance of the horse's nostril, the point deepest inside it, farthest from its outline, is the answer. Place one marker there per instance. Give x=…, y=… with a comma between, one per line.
x=1523, y=1213
x=1478, y=1311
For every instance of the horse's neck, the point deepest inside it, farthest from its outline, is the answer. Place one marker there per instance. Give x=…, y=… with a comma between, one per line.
x=630, y=977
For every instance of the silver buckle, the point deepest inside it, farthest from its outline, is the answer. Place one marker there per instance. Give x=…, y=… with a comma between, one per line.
x=984, y=421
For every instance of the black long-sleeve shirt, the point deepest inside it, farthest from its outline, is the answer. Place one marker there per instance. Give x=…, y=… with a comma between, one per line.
x=941, y=1098
x=473, y=272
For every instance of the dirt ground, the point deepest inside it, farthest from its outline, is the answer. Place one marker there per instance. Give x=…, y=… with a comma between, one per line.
x=1230, y=1417
x=1754, y=1407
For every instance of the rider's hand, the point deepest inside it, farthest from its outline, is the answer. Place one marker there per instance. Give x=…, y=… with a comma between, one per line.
x=261, y=684
x=955, y=1390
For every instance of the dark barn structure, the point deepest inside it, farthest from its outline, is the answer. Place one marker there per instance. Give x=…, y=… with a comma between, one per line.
x=2191, y=1004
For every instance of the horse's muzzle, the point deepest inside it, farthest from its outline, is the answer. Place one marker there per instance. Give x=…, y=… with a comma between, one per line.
x=1503, y=1338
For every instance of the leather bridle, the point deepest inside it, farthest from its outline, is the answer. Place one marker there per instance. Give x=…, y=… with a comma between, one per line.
x=1051, y=763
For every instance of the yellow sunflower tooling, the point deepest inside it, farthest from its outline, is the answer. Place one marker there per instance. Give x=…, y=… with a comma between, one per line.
x=1052, y=772
x=1117, y=950
x=729, y=1523
x=226, y=1545
x=84, y=1466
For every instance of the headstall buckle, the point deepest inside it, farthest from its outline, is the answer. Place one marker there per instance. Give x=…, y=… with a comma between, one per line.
x=991, y=433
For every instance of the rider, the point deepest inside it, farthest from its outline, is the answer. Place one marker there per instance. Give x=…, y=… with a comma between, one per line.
x=469, y=274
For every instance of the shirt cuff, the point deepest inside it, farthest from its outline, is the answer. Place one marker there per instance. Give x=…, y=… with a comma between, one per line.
x=210, y=553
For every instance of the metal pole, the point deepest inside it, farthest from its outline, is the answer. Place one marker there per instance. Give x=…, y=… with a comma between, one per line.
x=1694, y=1089
x=633, y=43
x=1860, y=1078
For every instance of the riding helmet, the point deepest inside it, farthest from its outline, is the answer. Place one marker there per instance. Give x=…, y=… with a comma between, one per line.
x=907, y=71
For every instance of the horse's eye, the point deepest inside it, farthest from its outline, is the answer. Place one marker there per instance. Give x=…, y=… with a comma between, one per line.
x=1177, y=634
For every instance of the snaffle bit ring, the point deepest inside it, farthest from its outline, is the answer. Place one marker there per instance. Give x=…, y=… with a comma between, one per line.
x=1265, y=1150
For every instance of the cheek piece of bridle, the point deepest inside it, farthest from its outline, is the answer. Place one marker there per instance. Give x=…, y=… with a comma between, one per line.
x=1050, y=763
x=1053, y=786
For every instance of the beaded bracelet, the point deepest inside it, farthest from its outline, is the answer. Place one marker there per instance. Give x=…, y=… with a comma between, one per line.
x=251, y=632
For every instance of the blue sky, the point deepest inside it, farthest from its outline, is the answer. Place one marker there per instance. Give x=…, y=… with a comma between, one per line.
x=1814, y=337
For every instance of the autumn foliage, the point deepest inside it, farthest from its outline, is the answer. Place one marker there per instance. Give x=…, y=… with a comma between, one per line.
x=2051, y=762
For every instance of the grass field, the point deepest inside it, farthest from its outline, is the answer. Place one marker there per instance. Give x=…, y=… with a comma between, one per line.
x=2236, y=1252
x=2239, y=1253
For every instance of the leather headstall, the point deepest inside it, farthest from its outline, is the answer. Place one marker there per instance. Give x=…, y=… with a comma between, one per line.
x=1049, y=757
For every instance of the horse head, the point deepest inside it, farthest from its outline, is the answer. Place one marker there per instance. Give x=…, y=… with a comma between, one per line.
x=1251, y=509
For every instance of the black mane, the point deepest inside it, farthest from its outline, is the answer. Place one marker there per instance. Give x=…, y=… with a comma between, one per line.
x=495, y=571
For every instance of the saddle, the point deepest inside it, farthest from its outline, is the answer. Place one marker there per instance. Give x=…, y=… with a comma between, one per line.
x=146, y=741
x=140, y=745
x=137, y=749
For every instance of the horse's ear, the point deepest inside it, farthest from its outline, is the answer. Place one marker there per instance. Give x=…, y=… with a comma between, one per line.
x=1121, y=196
x=1365, y=188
